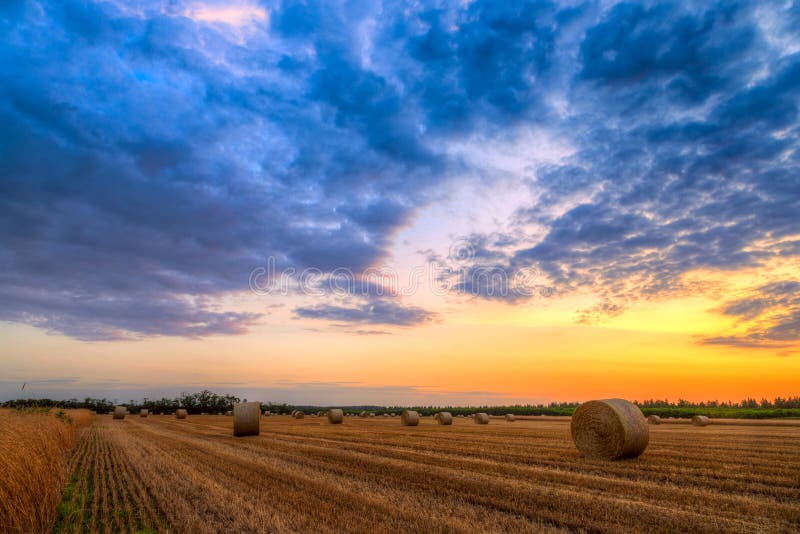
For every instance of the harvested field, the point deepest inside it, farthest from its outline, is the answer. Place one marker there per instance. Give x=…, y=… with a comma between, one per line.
x=373, y=475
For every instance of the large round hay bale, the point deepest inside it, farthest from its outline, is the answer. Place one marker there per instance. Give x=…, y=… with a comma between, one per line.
x=444, y=418
x=654, y=419
x=409, y=418
x=481, y=418
x=609, y=429
x=335, y=416
x=298, y=414
x=181, y=413
x=144, y=413
x=510, y=417
x=294, y=412
x=119, y=412
x=247, y=419
x=701, y=420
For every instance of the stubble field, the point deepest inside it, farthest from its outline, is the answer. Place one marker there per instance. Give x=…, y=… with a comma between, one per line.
x=373, y=475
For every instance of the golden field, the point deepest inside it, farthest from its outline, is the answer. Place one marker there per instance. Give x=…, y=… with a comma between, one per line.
x=373, y=475
x=34, y=450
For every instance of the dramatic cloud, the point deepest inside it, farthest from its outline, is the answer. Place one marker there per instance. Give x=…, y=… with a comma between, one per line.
x=150, y=158
x=685, y=124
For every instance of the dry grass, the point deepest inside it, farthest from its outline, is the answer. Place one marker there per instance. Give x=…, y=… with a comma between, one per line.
x=33, y=458
x=373, y=475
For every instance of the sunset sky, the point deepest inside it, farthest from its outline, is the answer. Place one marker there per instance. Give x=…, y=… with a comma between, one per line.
x=457, y=202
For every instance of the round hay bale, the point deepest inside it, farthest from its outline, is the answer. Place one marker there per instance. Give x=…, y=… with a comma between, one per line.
x=335, y=416
x=510, y=417
x=371, y=414
x=181, y=413
x=444, y=418
x=386, y=415
x=654, y=419
x=246, y=419
x=609, y=429
x=294, y=412
x=298, y=414
x=267, y=413
x=409, y=418
x=229, y=413
x=144, y=413
x=119, y=412
x=701, y=420
x=363, y=414
x=481, y=418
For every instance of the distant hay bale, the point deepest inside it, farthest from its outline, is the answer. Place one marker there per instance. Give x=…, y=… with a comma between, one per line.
x=181, y=414
x=229, y=413
x=386, y=415
x=119, y=412
x=609, y=429
x=298, y=414
x=409, y=418
x=363, y=414
x=267, y=413
x=654, y=419
x=701, y=420
x=510, y=417
x=335, y=416
x=144, y=413
x=371, y=414
x=246, y=419
x=444, y=418
x=481, y=418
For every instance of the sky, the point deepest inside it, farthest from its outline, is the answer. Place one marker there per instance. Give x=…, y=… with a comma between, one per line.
x=459, y=202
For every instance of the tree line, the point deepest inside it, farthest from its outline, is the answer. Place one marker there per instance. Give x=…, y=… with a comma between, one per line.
x=209, y=402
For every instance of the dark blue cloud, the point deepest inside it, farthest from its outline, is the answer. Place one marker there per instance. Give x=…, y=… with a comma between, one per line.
x=373, y=311
x=351, y=299
x=148, y=161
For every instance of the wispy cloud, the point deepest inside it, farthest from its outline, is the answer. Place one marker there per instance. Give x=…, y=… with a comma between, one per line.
x=769, y=317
